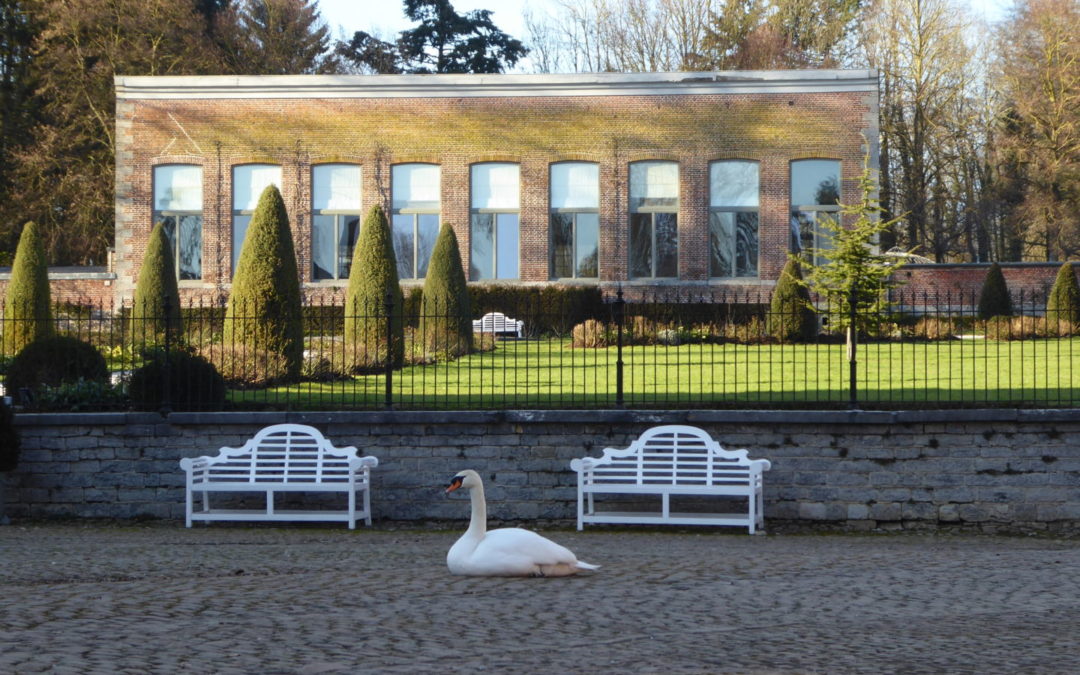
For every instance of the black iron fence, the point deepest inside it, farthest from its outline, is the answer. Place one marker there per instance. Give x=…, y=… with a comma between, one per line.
x=654, y=351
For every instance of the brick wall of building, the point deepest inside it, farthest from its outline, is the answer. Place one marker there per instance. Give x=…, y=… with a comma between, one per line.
x=772, y=127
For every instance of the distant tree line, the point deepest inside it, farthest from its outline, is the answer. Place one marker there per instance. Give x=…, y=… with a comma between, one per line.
x=980, y=125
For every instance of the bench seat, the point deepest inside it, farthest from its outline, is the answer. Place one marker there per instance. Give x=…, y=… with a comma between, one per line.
x=672, y=460
x=280, y=458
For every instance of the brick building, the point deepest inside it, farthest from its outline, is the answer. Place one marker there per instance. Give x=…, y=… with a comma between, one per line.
x=643, y=180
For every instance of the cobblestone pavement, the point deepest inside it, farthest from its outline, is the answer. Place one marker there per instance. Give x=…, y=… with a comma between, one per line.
x=157, y=598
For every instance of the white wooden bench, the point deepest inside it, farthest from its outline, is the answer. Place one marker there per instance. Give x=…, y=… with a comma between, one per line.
x=672, y=460
x=498, y=323
x=281, y=458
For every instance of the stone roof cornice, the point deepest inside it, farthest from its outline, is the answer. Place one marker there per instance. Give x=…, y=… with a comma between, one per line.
x=480, y=86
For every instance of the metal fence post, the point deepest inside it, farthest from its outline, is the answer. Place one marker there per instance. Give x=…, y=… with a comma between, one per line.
x=852, y=342
x=166, y=383
x=389, y=306
x=619, y=317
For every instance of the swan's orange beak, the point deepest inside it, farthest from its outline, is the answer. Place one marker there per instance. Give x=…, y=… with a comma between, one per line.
x=454, y=484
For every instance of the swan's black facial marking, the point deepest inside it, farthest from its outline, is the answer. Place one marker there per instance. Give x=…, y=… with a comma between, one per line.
x=455, y=483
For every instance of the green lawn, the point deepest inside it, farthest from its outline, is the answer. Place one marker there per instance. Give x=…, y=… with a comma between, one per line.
x=548, y=374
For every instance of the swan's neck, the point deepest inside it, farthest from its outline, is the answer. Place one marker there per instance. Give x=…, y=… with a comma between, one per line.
x=478, y=523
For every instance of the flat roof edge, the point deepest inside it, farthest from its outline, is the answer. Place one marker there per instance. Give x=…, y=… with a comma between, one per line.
x=479, y=86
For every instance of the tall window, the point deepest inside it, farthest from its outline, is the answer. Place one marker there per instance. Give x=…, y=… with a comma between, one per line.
x=178, y=206
x=815, y=198
x=654, y=219
x=733, y=219
x=249, y=181
x=575, y=220
x=493, y=249
x=335, y=219
x=415, y=205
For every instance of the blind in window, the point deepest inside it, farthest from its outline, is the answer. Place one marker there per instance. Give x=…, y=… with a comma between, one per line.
x=733, y=183
x=495, y=186
x=415, y=186
x=654, y=184
x=336, y=187
x=575, y=185
x=249, y=181
x=178, y=188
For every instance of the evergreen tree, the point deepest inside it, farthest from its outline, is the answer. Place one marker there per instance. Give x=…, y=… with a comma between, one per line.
x=994, y=297
x=28, y=312
x=372, y=277
x=791, y=316
x=445, y=314
x=264, y=311
x=277, y=37
x=155, y=288
x=1063, y=305
x=852, y=271
x=443, y=42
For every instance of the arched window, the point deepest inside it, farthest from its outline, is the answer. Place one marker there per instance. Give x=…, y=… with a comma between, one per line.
x=178, y=206
x=335, y=219
x=493, y=248
x=815, y=199
x=575, y=220
x=415, y=205
x=734, y=187
x=654, y=220
x=249, y=181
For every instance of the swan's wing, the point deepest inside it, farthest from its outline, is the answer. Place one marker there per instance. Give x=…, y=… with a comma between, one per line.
x=513, y=543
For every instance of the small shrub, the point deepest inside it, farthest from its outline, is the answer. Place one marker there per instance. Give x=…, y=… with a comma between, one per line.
x=372, y=278
x=53, y=361
x=935, y=328
x=156, y=288
x=445, y=317
x=592, y=334
x=80, y=396
x=246, y=367
x=194, y=383
x=9, y=439
x=994, y=297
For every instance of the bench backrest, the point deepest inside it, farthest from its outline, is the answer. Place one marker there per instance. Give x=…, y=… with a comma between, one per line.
x=673, y=455
x=496, y=322
x=282, y=453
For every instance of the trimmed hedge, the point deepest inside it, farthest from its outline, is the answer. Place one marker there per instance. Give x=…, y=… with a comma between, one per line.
x=54, y=361
x=994, y=299
x=445, y=315
x=194, y=383
x=1063, y=305
x=791, y=317
x=372, y=277
x=263, y=312
x=28, y=313
x=157, y=281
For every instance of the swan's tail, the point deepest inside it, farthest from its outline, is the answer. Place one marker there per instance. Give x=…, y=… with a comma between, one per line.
x=582, y=565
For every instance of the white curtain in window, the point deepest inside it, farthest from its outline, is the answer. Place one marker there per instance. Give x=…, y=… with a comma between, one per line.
x=495, y=186
x=249, y=181
x=336, y=187
x=575, y=185
x=654, y=180
x=178, y=188
x=733, y=183
x=415, y=185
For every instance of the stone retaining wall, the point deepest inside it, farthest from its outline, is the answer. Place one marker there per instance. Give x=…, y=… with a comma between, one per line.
x=992, y=469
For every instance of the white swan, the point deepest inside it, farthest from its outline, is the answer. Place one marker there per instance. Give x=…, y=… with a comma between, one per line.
x=506, y=552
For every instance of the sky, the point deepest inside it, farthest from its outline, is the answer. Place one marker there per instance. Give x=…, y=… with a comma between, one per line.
x=387, y=18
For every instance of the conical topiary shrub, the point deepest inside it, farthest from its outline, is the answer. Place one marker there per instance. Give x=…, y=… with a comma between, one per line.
x=155, y=289
x=791, y=316
x=994, y=297
x=372, y=277
x=27, y=312
x=263, y=319
x=445, y=315
x=1063, y=305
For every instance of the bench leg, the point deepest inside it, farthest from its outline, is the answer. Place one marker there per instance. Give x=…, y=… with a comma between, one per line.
x=352, y=509
x=367, y=503
x=269, y=503
x=189, y=504
x=580, y=506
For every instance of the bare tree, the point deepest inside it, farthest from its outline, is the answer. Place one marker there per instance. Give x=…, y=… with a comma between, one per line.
x=1039, y=76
